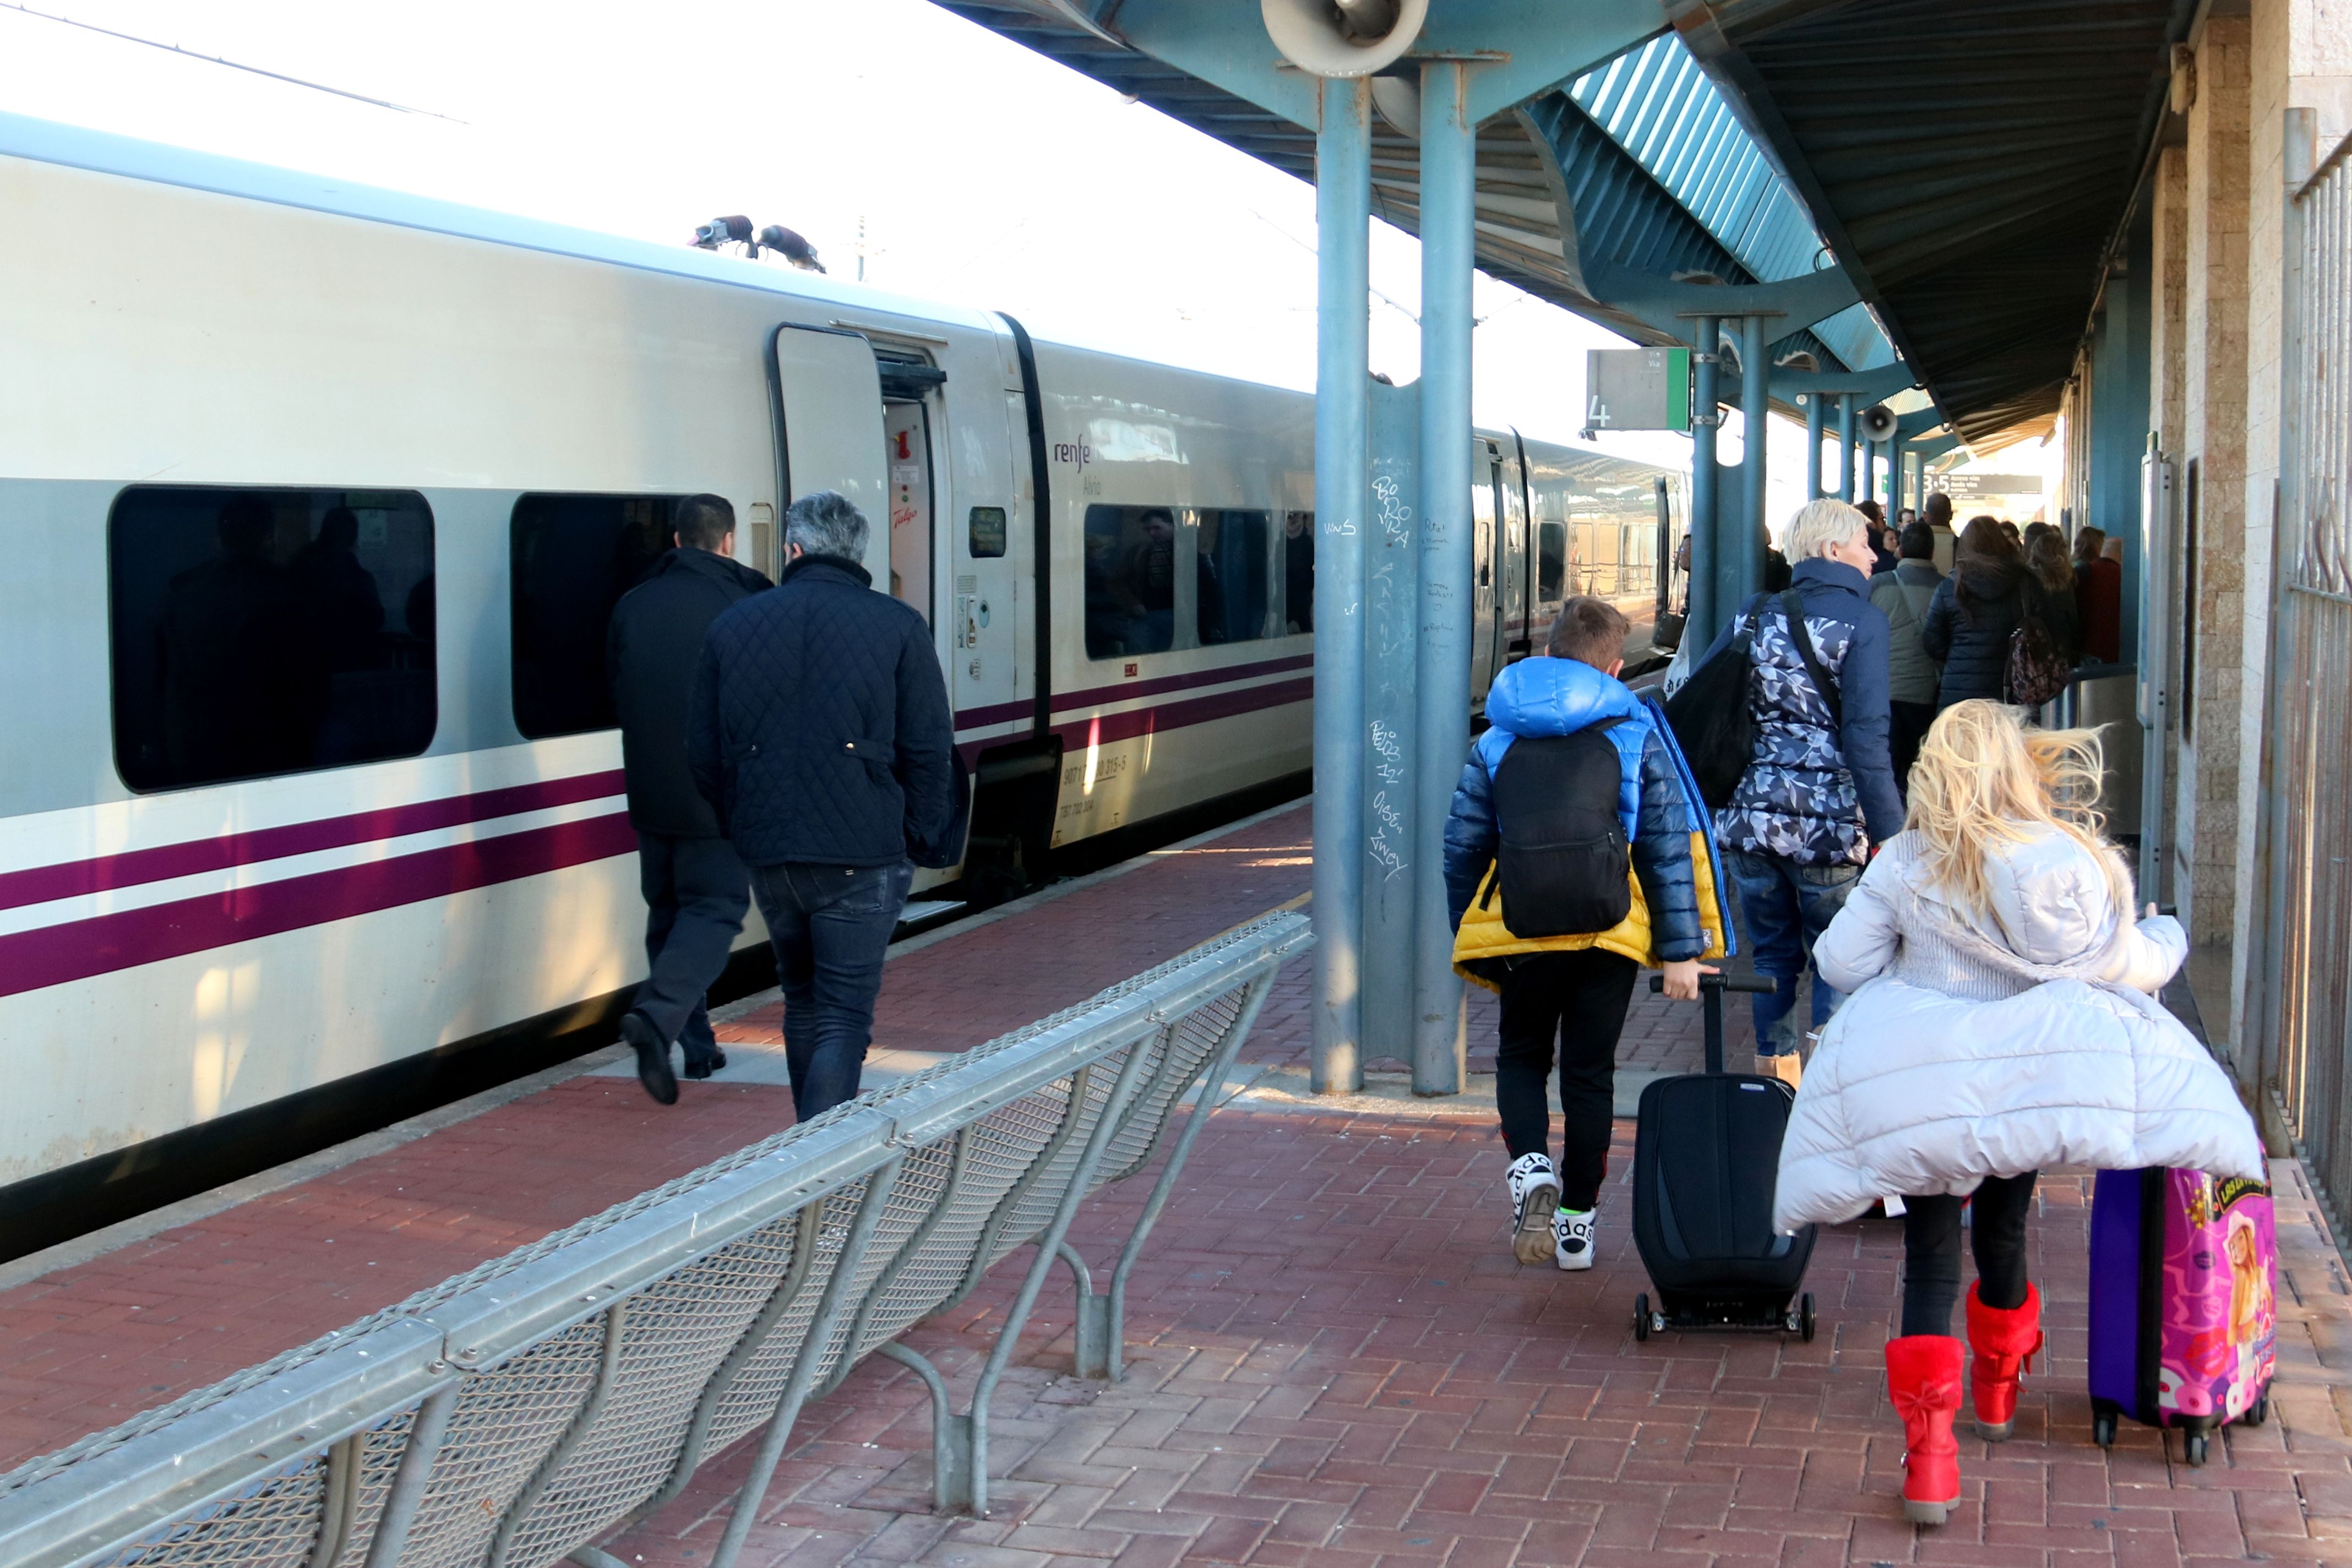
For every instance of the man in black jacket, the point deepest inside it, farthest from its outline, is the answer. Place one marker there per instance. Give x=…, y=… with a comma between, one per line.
x=819, y=730
x=696, y=888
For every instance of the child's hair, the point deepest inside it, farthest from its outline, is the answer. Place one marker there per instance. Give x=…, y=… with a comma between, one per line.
x=1982, y=778
x=1590, y=631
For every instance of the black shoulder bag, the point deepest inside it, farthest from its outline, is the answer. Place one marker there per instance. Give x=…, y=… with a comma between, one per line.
x=1711, y=715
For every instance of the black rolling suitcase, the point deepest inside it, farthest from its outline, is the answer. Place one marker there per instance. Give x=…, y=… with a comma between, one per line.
x=1706, y=1147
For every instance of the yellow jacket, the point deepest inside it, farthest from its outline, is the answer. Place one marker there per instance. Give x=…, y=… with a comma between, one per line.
x=1485, y=937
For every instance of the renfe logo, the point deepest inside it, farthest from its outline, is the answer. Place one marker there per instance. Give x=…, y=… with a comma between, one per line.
x=1073, y=452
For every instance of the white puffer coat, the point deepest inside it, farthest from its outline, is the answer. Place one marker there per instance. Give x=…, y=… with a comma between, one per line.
x=1974, y=1046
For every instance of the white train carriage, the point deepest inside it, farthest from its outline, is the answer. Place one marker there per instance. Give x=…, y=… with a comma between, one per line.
x=261, y=887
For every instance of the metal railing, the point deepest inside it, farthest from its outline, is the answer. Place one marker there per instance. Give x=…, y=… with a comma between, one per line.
x=510, y=1415
x=2301, y=973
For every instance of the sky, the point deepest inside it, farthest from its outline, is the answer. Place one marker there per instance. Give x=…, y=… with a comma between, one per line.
x=954, y=164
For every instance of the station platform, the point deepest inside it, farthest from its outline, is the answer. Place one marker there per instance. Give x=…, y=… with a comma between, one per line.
x=1334, y=1361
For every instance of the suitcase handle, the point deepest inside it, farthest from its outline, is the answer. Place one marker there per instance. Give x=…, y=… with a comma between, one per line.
x=1711, y=988
x=1760, y=984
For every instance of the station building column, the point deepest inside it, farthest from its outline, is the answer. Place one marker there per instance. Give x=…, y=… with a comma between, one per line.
x=1343, y=216
x=1448, y=256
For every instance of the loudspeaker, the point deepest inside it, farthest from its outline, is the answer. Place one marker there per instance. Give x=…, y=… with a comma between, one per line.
x=1876, y=422
x=1343, y=38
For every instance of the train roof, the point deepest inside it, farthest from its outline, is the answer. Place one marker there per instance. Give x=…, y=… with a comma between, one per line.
x=101, y=152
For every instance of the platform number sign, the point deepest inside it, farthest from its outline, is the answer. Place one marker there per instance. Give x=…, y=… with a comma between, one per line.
x=1636, y=389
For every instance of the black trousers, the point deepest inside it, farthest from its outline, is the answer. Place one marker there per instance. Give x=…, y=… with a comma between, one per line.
x=1907, y=727
x=696, y=892
x=1931, y=1251
x=1578, y=999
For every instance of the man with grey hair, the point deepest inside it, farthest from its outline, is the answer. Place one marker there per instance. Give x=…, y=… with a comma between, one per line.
x=1818, y=789
x=820, y=733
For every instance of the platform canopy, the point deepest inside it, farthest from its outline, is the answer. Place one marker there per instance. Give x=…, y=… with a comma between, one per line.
x=1653, y=171
x=1970, y=162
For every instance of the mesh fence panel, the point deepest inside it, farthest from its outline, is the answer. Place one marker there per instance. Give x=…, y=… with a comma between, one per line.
x=1190, y=1045
x=753, y=1395
x=272, y=1523
x=922, y=1187
x=674, y=1336
x=1030, y=1208
x=379, y=1461
x=507, y=1419
x=1000, y=1150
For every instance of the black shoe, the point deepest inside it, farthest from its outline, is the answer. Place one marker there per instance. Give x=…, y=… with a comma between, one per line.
x=703, y=1067
x=653, y=1058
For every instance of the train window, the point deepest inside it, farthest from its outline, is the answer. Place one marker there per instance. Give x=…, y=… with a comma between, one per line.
x=1551, y=562
x=259, y=632
x=1298, y=572
x=1237, y=560
x=987, y=532
x=572, y=558
x=1130, y=579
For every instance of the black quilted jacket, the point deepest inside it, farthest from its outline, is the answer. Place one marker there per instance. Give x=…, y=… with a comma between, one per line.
x=819, y=728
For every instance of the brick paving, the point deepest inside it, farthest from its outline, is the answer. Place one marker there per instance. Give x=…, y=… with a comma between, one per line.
x=1337, y=1364
x=1334, y=1361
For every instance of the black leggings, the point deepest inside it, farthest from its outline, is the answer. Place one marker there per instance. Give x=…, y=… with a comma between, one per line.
x=1579, y=999
x=1931, y=1251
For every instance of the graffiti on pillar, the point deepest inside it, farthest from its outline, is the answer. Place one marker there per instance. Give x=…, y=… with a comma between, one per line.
x=1391, y=629
x=1388, y=833
x=1396, y=518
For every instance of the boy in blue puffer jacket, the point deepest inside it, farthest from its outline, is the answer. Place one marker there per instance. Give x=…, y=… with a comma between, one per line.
x=1575, y=927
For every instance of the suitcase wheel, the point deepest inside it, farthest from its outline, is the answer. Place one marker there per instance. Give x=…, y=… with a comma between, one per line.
x=2195, y=1447
x=2258, y=1412
x=1641, y=1315
x=1805, y=1316
x=2103, y=1429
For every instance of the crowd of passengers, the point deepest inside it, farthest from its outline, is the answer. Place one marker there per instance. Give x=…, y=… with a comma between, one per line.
x=1983, y=974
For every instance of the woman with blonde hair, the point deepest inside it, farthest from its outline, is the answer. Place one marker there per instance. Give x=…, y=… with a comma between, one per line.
x=2003, y=1019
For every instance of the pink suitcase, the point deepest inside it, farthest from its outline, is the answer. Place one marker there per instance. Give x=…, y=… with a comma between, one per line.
x=2184, y=1303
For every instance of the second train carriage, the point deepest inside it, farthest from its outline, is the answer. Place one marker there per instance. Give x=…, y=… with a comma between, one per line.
x=253, y=892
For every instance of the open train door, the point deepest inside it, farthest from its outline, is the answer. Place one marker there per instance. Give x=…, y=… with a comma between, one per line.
x=829, y=396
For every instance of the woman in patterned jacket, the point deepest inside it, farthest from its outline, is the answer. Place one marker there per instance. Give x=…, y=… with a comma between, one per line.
x=1819, y=786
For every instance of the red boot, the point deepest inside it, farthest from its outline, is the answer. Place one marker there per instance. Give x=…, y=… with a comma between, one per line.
x=1923, y=1382
x=2005, y=1344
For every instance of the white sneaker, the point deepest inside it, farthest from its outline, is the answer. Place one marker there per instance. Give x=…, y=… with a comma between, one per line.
x=1535, y=1197
x=1572, y=1237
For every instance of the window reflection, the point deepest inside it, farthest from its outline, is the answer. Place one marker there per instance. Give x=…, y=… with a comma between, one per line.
x=259, y=632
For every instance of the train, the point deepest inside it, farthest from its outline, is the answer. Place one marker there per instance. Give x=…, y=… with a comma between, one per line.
x=259, y=887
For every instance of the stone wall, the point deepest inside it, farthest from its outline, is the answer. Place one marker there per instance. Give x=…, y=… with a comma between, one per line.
x=2301, y=56
x=2213, y=443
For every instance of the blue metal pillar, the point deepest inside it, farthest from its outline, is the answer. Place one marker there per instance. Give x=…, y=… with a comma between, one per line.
x=1813, y=446
x=1845, y=446
x=1706, y=420
x=1343, y=207
x=1448, y=213
x=1869, y=470
x=1755, y=443
x=1392, y=868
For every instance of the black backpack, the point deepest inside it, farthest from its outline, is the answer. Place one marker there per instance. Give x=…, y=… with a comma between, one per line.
x=1563, y=857
x=1710, y=717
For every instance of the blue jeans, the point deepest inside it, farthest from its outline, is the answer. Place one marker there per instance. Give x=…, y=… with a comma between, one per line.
x=831, y=925
x=1784, y=906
